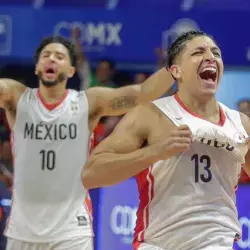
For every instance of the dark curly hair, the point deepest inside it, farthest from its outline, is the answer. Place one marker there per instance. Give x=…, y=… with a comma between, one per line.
x=57, y=39
x=178, y=45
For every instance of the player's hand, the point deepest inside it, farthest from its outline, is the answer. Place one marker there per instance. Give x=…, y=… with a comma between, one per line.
x=177, y=142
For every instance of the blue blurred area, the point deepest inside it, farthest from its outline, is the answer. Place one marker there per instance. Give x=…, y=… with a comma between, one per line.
x=128, y=36
x=142, y=4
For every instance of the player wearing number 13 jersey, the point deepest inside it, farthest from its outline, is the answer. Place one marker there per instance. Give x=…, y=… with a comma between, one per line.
x=195, y=147
x=51, y=129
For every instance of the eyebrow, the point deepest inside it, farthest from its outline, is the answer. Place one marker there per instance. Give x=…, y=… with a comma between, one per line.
x=49, y=51
x=203, y=48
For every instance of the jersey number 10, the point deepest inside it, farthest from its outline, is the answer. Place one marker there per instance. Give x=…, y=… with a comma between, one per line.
x=205, y=161
x=48, y=159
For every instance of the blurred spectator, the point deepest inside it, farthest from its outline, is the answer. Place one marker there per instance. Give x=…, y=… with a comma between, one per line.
x=244, y=106
x=104, y=72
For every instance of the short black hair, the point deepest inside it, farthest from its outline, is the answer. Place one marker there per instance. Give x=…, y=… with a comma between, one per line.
x=244, y=100
x=57, y=39
x=111, y=62
x=178, y=45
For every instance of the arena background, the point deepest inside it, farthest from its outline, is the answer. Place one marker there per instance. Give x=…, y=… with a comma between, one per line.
x=133, y=35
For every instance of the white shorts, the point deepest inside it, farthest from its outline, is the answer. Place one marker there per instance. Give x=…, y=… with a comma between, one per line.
x=79, y=243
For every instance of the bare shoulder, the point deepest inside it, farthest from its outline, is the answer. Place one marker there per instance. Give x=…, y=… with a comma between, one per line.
x=245, y=122
x=144, y=113
x=8, y=83
x=131, y=132
x=10, y=92
x=93, y=94
x=141, y=120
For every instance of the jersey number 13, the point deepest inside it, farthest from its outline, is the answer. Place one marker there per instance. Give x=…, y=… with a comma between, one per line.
x=202, y=164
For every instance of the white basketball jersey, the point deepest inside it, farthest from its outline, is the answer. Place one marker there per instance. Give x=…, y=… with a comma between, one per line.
x=188, y=201
x=50, y=148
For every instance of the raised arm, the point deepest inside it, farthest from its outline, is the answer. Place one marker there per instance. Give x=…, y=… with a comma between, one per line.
x=112, y=102
x=121, y=155
x=10, y=91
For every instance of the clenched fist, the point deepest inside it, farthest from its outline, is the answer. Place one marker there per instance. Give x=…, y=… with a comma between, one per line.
x=178, y=141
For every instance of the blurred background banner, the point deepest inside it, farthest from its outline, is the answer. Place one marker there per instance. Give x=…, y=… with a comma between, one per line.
x=117, y=216
x=128, y=35
x=185, y=5
x=243, y=204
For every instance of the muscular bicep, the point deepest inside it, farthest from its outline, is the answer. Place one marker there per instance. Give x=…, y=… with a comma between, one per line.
x=130, y=133
x=10, y=91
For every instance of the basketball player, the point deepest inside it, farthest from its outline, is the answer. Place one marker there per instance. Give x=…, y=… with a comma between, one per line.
x=187, y=195
x=51, y=129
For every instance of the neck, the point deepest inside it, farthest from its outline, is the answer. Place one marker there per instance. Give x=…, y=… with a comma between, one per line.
x=207, y=108
x=52, y=94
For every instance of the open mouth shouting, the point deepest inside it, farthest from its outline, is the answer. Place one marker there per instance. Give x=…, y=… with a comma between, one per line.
x=50, y=72
x=209, y=75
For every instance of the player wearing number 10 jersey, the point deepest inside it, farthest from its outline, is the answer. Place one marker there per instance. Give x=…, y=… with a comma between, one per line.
x=51, y=129
x=187, y=195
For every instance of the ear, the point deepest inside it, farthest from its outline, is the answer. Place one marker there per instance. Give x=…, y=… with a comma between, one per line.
x=175, y=71
x=71, y=72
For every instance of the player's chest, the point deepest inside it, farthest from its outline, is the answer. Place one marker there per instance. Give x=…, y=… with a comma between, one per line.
x=52, y=126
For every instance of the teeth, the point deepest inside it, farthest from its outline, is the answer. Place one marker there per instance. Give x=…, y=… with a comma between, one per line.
x=210, y=69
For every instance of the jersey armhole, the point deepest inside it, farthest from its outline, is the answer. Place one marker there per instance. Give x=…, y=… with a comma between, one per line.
x=86, y=102
x=19, y=103
x=167, y=114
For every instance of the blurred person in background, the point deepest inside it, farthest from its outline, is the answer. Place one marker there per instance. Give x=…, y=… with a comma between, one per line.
x=104, y=72
x=53, y=127
x=244, y=107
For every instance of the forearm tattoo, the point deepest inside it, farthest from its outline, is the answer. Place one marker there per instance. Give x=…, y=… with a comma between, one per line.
x=123, y=102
